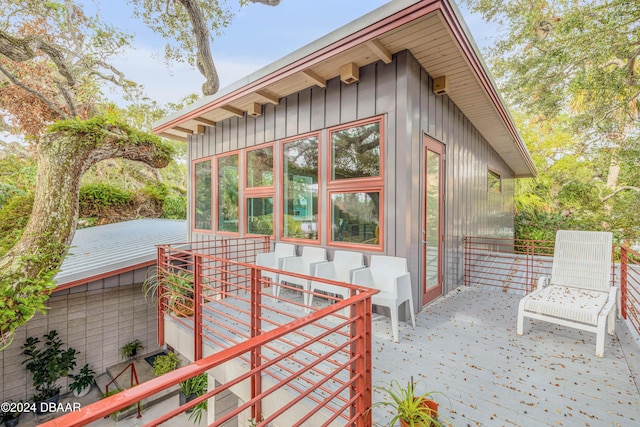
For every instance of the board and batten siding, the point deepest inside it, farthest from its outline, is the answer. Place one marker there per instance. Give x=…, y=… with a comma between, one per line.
x=401, y=92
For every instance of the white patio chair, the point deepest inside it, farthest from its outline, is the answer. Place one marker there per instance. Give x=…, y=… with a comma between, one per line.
x=341, y=269
x=579, y=293
x=304, y=264
x=274, y=259
x=389, y=275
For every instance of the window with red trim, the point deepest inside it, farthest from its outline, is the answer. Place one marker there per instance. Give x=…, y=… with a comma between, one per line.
x=259, y=190
x=228, y=194
x=356, y=184
x=202, y=195
x=300, y=188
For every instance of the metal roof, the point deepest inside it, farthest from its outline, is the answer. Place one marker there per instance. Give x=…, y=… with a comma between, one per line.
x=432, y=30
x=98, y=251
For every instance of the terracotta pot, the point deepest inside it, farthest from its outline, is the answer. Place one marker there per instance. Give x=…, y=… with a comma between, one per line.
x=433, y=407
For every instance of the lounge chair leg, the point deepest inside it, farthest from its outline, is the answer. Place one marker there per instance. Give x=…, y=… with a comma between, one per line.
x=394, y=324
x=611, y=321
x=600, y=337
x=520, y=323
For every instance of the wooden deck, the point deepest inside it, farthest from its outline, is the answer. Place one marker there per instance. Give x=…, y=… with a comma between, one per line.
x=466, y=347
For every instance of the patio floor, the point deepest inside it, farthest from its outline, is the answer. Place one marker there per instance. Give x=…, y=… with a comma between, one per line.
x=465, y=346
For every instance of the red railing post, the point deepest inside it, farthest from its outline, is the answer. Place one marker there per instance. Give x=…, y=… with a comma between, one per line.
x=160, y=265
x=256, y=354
x=624, y=260
x=197, y=307
x=363, y=366
x=467, y=279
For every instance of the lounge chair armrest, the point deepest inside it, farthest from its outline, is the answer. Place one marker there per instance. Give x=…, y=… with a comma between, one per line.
x=363, y=277
x=292, y=264
x=312, y=267
x=403, y=286
x=543, y=282
x=326, y=270
x=267, y=259
x=281, y=261
x=353, y=271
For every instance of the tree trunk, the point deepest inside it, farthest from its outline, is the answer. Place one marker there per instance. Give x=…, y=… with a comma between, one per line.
x=63, y=157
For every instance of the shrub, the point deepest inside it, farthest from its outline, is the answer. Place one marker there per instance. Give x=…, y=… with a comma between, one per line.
x=95, y=197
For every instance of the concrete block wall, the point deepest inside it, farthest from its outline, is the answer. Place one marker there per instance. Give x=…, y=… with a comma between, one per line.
x=96, y=319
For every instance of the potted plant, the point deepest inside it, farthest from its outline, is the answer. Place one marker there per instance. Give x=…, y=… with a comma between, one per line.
x=11, y=415
x=189, y=390
x=47, y=365
x=179, y=290
x=82, y=382
x=165, y=363
x=130, y=349
x=412, y=410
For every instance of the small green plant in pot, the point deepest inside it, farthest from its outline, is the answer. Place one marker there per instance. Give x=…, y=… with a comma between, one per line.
x=11, y=416
x=413, y=410
x=82, y=382
x=189, y=390
x=130, y=349
x=47, y=364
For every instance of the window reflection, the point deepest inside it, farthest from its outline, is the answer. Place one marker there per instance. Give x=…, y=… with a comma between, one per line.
x=202, y=195
x=355, y=217
x=260, y=215
x=260, y=167
x=228, y=193
x=356, y=152
x=301, y=188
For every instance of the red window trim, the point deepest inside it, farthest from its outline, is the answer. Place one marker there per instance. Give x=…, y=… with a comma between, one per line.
x=193, y=195
x=317, y=241
x=240, y=196
x=355, y=181
x=372, y=248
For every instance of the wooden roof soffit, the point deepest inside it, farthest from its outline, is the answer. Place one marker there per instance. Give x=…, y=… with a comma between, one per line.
x=267, y=97
x=181, y=129
x=379, y=50
x=171, y=136
x=205, y=121
x=314, y=78
x=233, y=110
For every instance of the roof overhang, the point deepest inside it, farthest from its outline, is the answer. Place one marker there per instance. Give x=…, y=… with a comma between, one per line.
x=433, y=31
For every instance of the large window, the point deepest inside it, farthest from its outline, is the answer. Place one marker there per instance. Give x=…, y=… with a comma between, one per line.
x=202, y=195
x=228, y=193
x=355, y=151
x=356, y=184
x=260, y=215
x=300, y=188
x=355, y=218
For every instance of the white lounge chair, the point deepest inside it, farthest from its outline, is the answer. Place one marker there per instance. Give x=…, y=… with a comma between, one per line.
x=274, y=259
x=341, y=269
x=389, y=275
x=579, y=293
x=304, y=264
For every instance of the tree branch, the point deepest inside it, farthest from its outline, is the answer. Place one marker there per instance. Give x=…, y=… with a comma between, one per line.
x=624, y=188
x=34, y=92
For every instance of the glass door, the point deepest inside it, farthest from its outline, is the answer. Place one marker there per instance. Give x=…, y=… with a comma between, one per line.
x=432, y=237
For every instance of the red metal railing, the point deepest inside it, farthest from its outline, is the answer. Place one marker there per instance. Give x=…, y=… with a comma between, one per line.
x=287, y=362
x=630, y=286
x=133, y=381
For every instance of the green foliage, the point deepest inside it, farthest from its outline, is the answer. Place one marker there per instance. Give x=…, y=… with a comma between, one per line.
x=165, y=363
x=13, y=219
x=410, y=407
x=95, y=197
x=196, y=386
x=48, y=363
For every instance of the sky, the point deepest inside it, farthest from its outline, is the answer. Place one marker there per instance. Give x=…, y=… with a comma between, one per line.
x=257, y=36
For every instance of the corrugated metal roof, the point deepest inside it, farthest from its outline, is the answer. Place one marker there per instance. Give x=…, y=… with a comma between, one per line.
x=96, y=251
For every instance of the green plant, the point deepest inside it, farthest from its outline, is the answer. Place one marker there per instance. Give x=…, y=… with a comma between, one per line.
x=130, y=349
x=12, y=414
x=114, y=415
x=194, y=387
x=84, y=379
x=165, y=363
x=178, y=287
x=48, y=364
x=411, y=408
